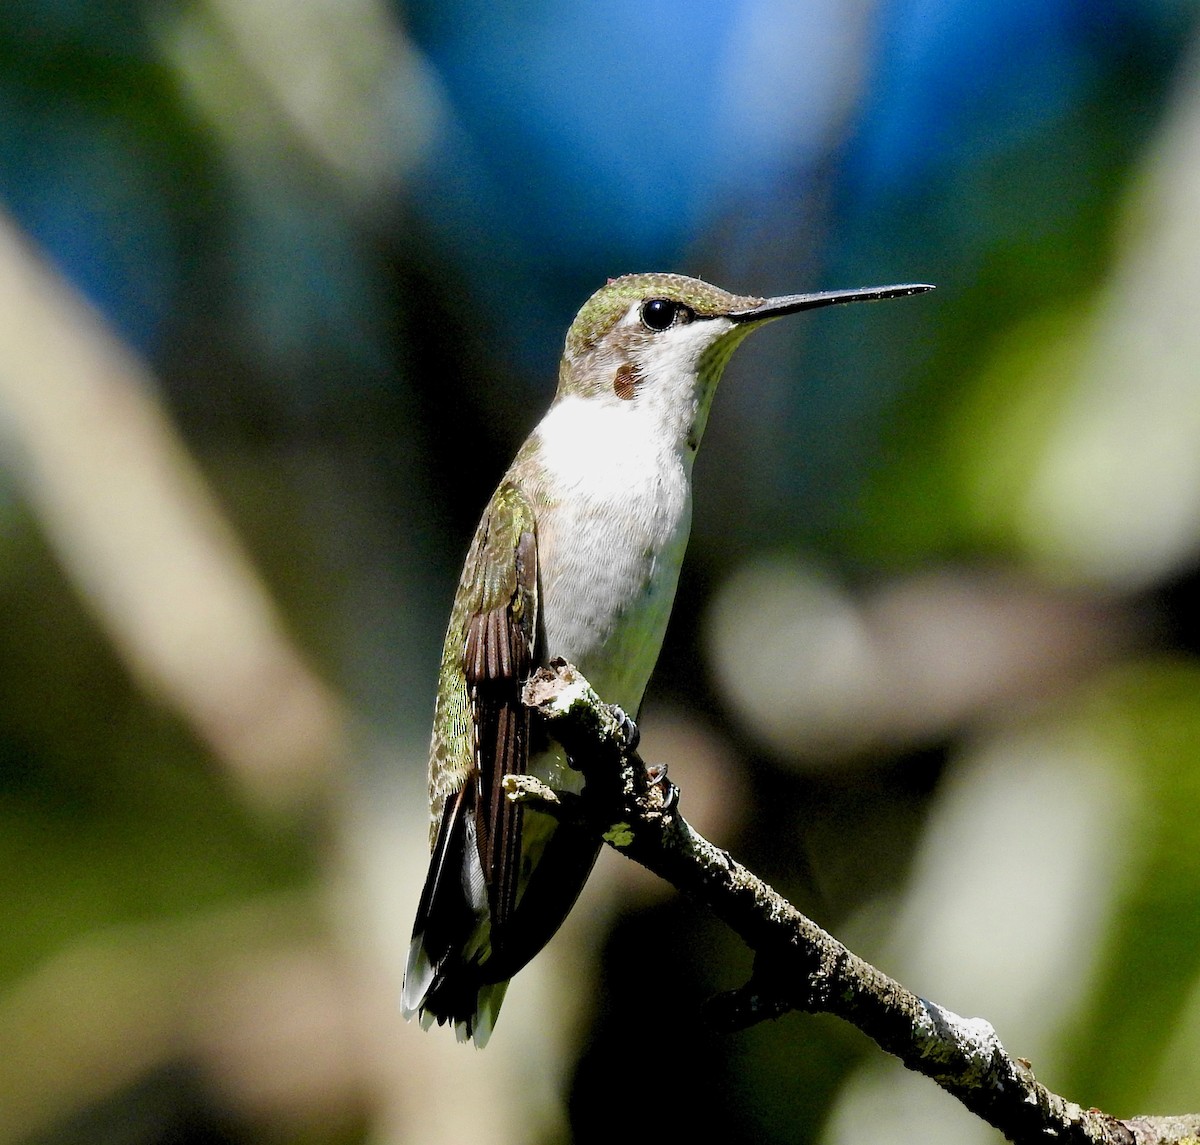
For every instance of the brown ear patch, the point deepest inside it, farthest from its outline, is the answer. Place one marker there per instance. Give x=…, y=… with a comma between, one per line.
x=626, y=380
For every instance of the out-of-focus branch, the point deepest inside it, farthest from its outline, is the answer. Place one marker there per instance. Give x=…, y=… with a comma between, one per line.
x=130, y=518
x=798, y=965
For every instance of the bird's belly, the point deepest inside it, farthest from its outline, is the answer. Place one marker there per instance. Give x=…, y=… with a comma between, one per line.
x=607, y=592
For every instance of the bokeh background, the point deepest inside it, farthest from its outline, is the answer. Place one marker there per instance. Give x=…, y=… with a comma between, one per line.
x=282, y=287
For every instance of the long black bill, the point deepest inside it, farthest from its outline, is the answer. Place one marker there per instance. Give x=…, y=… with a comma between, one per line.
x=790, y=303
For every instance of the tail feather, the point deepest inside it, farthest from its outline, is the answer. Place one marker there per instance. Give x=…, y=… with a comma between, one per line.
x=458, y=965
x=442, y=979
x=419, y=976
x=466, y=1003
x=452, y=992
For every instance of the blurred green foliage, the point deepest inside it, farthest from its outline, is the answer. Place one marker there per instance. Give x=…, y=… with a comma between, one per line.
x=1151, y=958
x=110, y=812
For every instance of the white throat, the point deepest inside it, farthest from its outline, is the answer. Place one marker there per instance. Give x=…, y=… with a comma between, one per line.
x=611, y=539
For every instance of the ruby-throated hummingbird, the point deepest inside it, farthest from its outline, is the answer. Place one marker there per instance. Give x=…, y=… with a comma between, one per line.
x=578, y=555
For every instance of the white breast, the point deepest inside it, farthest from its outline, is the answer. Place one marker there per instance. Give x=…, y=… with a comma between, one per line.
x=611, y=541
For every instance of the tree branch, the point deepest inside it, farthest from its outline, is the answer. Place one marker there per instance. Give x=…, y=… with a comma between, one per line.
x=798, y=966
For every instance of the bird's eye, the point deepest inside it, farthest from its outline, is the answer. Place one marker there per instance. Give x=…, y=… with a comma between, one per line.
x=662, y=313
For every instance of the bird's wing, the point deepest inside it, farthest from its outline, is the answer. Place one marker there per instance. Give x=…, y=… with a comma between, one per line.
x=481, y=734
x=497, y=658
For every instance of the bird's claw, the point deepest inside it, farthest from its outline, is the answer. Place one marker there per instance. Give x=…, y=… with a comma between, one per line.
x=629, y=730
x=656, y=776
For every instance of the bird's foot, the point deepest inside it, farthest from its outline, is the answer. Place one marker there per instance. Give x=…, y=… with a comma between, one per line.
x=630, y=730
x=656, y=780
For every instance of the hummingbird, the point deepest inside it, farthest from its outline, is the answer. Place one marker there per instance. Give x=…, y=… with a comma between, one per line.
x=577, y=556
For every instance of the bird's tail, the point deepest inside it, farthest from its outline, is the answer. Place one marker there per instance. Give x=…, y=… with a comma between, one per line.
x=457, y=997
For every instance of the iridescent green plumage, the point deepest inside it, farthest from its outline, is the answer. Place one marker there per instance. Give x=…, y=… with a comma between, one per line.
x=606, y=306
x=490, y=581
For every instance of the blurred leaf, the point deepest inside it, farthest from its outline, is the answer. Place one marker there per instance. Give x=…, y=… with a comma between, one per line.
x=1153, y=952
x=109, y=812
